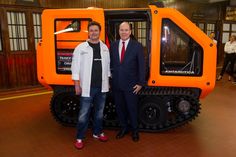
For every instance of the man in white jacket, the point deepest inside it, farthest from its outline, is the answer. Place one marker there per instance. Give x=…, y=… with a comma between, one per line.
x=90, y=72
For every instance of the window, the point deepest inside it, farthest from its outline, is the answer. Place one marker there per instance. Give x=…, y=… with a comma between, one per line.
x=142, y=32
x=228, y=30
x=233, y=27
x=180, y=54
x=68, y=34
x=201, y=26
x=226, y=27
x=210, y=28
x=207, y=26
x=17, y=31
x=139, y=31
x=37, y=28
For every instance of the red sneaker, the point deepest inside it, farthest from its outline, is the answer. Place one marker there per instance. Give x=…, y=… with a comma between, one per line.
x=102, y=137
x=79, y=144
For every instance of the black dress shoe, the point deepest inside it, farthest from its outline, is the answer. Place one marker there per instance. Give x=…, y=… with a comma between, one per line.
x=121, y=133
x=135, y=136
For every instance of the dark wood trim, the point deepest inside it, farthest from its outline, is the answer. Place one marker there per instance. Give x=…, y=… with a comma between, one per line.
x=4, y=29
x=4, y=80
x=28, y=2
x=1, y=31
x=30, y=30
x=20, y=6
x=5, y=43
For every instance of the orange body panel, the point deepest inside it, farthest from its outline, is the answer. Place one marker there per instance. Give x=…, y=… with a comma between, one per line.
x=46, y=51
x=206, y=82
x=40, y=66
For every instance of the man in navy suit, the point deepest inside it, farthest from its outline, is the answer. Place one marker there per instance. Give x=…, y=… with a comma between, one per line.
x=128, y=77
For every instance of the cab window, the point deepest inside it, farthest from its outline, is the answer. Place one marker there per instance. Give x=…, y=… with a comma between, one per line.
x=180, y=54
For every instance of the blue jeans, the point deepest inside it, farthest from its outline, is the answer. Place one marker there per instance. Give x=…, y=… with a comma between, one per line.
x=97, y=100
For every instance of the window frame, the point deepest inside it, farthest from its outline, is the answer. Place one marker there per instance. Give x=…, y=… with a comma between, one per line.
x=142, y=30
x=1, y=44
x=229, y=31
x=18, y=38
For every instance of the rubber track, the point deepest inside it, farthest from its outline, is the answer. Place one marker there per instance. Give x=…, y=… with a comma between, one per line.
x=188, y=93
x=191, y=94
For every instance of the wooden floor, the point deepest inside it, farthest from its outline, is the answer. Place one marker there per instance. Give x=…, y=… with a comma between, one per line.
x=28, y=130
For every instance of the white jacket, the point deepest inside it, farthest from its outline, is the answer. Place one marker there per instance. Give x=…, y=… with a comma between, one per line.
x=230, y=47
x=81, y=66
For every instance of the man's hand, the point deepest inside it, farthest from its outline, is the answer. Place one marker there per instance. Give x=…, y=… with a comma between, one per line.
x=78, y=90
x=137, y=88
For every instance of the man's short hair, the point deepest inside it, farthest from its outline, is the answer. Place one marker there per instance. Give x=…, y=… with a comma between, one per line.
x=130, y=25
x=94, y=23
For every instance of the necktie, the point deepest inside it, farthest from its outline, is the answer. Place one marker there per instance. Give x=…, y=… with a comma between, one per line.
x=122, y=52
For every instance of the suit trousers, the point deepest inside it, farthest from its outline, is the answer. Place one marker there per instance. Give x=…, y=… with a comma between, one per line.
x=127, y=108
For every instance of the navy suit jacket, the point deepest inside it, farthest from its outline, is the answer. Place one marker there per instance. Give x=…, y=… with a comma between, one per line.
x=131, y=71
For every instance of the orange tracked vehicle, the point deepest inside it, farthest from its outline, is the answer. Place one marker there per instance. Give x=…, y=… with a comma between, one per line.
x=180, y=58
